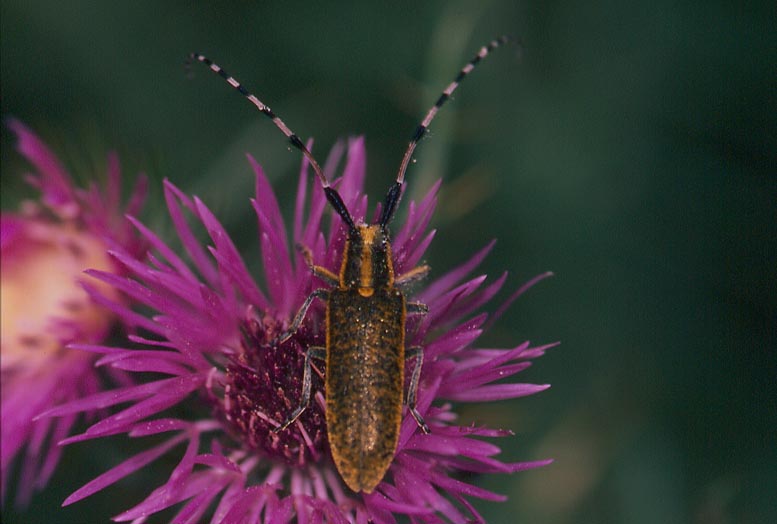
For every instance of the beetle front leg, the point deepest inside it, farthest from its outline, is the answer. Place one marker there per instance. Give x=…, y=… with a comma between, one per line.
x=300, y=316
x=412, y=276
x=312, y=352
x=320, y=271
x=417, y=353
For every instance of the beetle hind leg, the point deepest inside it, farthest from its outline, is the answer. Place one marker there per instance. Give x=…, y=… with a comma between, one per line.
x=417, y=353
x=312, y=352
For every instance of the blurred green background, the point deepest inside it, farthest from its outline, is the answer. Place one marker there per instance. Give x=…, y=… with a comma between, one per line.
x=633, y=151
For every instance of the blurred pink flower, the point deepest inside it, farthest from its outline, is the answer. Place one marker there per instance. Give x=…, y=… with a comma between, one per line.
x=46, y=247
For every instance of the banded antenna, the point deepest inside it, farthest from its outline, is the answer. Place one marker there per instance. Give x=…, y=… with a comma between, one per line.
x=395, y=192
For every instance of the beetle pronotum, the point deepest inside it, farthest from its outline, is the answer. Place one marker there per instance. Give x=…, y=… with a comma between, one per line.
x=365, y=320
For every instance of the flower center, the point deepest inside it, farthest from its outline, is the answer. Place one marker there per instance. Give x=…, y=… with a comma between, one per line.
x=43, y=303
x=263, y=387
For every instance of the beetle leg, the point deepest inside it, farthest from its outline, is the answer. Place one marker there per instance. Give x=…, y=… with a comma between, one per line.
x=300, y=316
x=312, y=352
x=414, y=275
x=325, y=275
x=412, y=391
x=416, y=308
x=320, y=271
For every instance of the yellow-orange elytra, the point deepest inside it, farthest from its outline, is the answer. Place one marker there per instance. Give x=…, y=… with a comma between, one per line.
x=366, y=310
x=365, y=361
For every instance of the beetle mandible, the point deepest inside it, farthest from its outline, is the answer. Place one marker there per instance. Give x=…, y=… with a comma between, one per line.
x=365, y=320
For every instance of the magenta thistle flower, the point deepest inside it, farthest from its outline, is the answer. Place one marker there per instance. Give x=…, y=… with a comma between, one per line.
x=45, y=249
x=212, y=343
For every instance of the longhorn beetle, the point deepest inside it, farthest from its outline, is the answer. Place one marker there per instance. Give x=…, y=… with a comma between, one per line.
x=365, y=320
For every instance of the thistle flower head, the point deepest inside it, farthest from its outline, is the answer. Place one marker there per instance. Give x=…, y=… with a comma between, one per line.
x=46, y=246
x=212, y=342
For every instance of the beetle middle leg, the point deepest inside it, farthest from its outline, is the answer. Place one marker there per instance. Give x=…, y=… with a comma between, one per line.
x=312, y=352
x=414, y=275
x=417, y=353
x=416, y=308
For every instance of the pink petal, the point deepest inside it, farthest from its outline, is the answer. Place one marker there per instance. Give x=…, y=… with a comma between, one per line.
x=54, y=181
x=122, y=470
x=454, y=276
x=496, y=392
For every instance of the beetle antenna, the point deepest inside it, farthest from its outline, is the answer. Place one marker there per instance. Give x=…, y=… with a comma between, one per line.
x=293, y=138
x=392, y=198
x=331, y=194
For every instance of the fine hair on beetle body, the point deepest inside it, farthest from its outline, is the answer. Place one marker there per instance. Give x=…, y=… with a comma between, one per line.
x=366, y=313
